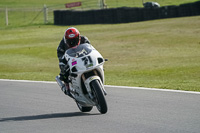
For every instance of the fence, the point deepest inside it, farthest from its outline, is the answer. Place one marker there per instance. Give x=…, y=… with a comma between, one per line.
x=23, y=16
x=19, y=16
x=124, y=15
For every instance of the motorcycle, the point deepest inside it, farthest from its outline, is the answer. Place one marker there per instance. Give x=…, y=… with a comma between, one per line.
x=86, y=78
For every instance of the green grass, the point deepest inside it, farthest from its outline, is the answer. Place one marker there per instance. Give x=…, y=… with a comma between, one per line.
x=159, y=54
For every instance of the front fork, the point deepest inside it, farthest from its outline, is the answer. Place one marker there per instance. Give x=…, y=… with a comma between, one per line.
x=90, y=79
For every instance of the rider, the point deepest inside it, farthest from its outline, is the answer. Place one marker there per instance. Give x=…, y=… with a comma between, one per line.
x=71, y=39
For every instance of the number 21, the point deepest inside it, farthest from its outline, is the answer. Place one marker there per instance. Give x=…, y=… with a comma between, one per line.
x=87, y=60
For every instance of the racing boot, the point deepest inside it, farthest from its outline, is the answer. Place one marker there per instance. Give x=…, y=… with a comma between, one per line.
x=66, y=91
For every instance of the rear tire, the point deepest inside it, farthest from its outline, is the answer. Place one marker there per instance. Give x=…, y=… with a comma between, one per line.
x=84, y=108
x=99, y=97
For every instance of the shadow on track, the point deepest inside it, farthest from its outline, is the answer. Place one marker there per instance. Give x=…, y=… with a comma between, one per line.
x=45, y=116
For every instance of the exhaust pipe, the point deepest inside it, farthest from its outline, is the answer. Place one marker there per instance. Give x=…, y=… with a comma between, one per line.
x=60, y=83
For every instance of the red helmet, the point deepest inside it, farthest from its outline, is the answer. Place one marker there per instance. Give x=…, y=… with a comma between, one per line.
x=72, y=37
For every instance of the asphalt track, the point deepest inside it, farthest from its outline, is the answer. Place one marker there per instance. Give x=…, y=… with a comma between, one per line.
x=40, y=107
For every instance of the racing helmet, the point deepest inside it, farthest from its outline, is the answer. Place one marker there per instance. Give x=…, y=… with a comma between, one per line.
x=72, y=37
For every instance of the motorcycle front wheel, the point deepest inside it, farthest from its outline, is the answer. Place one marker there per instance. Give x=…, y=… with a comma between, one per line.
x=99, y=98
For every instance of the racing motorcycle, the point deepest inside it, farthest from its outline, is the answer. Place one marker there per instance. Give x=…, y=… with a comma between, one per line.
x=86, y=78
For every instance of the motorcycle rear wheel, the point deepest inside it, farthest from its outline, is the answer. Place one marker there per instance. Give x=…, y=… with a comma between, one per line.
x=84, y=108
x=99, y=97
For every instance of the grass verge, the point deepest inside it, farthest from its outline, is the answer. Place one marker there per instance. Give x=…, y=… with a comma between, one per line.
x=159, y=54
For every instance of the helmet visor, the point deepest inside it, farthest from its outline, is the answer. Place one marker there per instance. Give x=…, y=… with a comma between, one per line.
x=73, y=42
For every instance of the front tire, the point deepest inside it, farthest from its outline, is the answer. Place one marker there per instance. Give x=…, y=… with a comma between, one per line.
x=99, y=97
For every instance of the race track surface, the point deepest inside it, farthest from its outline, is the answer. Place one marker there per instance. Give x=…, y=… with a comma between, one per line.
x=34, y=107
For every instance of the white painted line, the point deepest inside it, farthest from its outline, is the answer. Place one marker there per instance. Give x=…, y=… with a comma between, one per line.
x=28, y=81
x=111, y=86
x=153, y=89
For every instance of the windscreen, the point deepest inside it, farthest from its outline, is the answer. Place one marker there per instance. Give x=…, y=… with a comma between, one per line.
x=80, y=51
